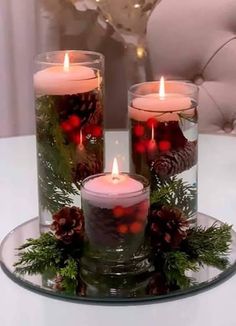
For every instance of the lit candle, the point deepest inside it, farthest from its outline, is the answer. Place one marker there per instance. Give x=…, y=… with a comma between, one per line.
x=115, y=207
x=163, y=106
x=109, y=189
x=66, y=79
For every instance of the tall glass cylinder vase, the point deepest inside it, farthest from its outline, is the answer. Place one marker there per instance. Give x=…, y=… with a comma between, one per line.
x=164, y=134
x=69, y=126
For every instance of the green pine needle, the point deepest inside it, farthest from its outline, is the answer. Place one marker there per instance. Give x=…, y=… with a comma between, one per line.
x=55, y=159
x=69, y=274
x=39, y=255
x=176, y=264
x=175, y=193
x=210, y=246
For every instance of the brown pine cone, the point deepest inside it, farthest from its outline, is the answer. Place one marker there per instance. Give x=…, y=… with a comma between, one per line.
x=175, y=161
x=68, y=225
x=87, y=164
x=168, y=228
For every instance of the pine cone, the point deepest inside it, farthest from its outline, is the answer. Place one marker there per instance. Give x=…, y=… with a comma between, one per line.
x=87, y=167
x=85, y=105
x=175, y=161
x=168, y=228
x=68, y=225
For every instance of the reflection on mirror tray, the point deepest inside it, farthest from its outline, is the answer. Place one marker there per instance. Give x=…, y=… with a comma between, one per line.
x=178, y=274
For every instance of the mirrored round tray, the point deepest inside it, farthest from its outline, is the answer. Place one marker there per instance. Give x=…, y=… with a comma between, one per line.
x=139, y=291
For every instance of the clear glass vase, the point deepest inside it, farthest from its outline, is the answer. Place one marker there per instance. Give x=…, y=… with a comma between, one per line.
x=164, y=137
x=115, y=222
x=69, y=126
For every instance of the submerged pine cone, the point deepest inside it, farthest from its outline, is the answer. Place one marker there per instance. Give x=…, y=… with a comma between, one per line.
x=168, y=228
x=175, y=161
x=68, y=225
x=85, y=105
x=87, y=168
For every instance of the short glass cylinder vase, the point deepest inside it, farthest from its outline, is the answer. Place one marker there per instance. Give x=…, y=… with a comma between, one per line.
x=69, y=126
x=115, y=212
x=164, y=138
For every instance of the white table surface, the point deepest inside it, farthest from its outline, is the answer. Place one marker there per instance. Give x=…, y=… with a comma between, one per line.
x=18, y=202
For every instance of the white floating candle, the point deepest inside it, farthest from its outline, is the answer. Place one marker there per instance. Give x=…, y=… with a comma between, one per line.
x=162, y=106
x=65, y=79
x=110, y=190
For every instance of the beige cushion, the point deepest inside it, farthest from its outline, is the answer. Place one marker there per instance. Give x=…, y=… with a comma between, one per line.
x=196, y=40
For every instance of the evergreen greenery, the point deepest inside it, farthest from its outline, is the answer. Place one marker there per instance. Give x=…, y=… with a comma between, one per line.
x=174, y=192
x=208, y=246
x=55, y=158
x=203, y=246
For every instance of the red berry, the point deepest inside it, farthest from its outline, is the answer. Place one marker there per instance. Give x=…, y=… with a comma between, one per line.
x=66, y=126
x=164, y=145
x=88, y=130
x=152, y=123
x=118, y=211
x=138, y=130
x=152, y=146
x=129, y=211
x=123, y=228
x=140, y=147
x=96, y=131
x=136, y=227
x=74, y=121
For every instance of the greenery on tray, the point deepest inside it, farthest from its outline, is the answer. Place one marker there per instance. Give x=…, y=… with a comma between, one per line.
x=175, y=193
x=175, y=248
x=54, y=158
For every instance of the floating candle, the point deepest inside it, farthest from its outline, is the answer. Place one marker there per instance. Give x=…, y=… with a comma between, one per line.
x=112, y=189
x=66, y=79
x=163, y=106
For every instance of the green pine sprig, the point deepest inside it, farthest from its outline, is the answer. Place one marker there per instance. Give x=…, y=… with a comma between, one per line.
x=48, y=255
x=210, y=246
x=39, y=255
x=55, y=158
x=203, y=246
x=174, y=192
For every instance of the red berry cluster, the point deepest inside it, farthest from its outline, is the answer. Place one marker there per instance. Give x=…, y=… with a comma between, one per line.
x=132, y=219
x=93, y=130
x=72, y=127
x=143, y=145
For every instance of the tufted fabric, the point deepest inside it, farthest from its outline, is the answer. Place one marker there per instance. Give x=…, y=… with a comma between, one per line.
x=196, y=40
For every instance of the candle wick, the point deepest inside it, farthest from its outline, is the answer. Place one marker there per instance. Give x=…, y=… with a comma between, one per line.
x=115, y=178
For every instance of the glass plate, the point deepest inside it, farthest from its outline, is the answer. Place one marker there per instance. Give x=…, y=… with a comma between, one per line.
x=205, y=278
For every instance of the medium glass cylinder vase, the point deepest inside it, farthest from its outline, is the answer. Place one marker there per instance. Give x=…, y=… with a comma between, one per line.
x=69, y=126
x=164, y=134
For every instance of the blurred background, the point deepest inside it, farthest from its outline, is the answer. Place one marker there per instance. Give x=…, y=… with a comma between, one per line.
x=141, y=39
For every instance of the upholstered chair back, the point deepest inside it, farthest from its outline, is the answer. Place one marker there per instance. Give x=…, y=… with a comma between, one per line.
x=196, y=40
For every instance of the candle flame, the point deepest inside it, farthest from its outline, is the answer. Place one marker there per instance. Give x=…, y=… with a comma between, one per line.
x=115, y=170
x=66, y=62
x=162, y=88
